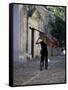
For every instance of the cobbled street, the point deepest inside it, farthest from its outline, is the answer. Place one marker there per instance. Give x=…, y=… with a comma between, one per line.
x=28, y=72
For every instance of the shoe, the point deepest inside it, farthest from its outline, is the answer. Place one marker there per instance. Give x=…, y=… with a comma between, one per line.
x=41, y=66
x=46, y=66
x=41, y=69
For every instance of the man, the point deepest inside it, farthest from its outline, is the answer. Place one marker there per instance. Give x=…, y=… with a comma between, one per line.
x=44, y=52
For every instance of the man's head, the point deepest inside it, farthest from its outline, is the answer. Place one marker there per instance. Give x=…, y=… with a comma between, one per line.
x=42, y=36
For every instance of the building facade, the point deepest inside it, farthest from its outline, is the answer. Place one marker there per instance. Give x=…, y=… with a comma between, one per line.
x=39, y=19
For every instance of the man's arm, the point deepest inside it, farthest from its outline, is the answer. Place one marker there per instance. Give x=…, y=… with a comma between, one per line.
x=38, y=41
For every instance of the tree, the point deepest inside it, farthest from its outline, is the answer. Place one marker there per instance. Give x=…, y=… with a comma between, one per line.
x=59, y=27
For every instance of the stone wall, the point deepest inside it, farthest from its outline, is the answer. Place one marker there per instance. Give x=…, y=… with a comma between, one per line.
x=38, y=20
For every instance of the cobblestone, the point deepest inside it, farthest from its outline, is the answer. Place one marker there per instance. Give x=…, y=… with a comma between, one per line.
x=28, y=73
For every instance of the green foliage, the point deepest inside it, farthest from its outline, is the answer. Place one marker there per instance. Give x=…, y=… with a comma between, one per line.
x=59, y=31
x=57, y=11
x=59, y=27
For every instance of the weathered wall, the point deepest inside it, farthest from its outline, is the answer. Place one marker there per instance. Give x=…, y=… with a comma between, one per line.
x=39, y=20
x=23, y=32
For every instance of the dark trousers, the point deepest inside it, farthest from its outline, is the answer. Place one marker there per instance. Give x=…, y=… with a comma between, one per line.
x=44, y=59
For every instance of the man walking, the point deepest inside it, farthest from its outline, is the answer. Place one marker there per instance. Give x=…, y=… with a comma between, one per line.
x=44, y=52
